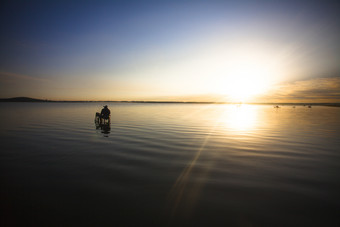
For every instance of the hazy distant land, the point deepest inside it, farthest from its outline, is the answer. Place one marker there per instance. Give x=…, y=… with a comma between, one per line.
x=27, y=99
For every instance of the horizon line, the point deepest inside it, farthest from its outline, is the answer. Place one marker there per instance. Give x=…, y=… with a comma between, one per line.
x=27, y=99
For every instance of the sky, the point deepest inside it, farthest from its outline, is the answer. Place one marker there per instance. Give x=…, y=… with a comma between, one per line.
x=232, y=51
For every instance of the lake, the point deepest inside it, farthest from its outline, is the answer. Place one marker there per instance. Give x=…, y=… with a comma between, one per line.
x=169, y=165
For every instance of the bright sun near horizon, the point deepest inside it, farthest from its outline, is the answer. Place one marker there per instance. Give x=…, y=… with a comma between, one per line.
x=248, y=73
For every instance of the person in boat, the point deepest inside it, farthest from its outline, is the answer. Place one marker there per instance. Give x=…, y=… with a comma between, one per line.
x=105, y=113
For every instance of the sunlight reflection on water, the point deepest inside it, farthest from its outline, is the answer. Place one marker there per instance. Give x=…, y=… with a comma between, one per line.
x=240, y=117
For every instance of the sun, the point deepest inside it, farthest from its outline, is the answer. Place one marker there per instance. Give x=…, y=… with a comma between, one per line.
x=246, y=82
x=246, y=75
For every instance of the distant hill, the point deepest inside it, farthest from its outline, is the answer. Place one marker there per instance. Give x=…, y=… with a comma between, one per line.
x=22, y=99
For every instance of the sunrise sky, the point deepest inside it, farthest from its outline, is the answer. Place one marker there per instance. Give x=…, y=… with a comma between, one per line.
x=255, y=51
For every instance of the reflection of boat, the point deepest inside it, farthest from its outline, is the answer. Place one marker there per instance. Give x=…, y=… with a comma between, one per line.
x=105, y=128
x=309, y=106
x=103, y=123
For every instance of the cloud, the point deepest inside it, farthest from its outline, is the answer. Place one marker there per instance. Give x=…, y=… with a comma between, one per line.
x=312, y=90
x=13, y=85
x=8, y=76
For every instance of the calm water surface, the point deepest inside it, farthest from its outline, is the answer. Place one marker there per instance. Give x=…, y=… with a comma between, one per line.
x=169, y=165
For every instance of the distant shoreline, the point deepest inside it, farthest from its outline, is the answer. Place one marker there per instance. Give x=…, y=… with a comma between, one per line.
x=27, y=99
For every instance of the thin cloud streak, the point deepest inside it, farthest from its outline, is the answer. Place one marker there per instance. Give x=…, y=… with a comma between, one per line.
x=315, y=90
x=8, y=76
x=17, y=85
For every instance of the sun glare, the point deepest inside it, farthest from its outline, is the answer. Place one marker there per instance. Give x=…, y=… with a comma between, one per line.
x=245, y=82
x=247, y=74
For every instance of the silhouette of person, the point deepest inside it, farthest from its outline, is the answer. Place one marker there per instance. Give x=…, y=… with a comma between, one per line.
x=105, y=113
